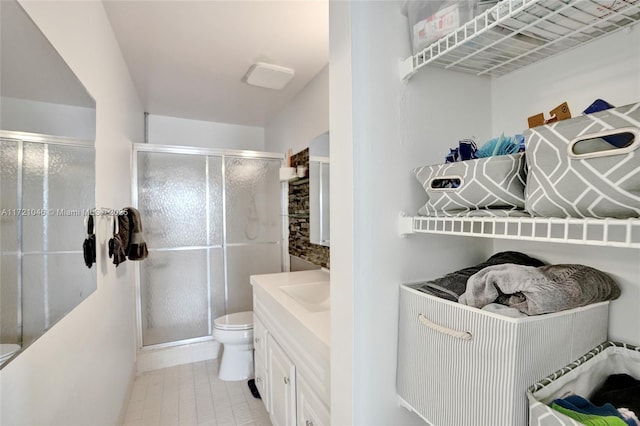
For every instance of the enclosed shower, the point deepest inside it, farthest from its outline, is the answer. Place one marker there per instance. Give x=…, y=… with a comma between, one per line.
x=211, y=219
x=47, y=189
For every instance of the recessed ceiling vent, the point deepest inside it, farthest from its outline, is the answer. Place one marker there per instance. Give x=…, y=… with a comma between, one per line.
x=268, y=75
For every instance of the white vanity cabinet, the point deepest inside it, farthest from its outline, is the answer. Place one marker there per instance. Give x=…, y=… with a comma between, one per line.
x=291, y=346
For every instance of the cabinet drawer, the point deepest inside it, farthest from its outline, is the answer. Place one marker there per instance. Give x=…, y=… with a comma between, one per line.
x=491, y=370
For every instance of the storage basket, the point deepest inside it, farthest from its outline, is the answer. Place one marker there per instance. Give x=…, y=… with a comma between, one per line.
x=430, y=20
x=481, y=184
x=581, y=377
x=479, y=375
x=587, y=166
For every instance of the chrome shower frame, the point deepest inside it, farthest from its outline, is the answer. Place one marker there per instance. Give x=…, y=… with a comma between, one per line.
x=206, y=152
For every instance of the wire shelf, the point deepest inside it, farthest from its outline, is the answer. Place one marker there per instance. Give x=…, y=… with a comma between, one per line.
x=516, y=33
x=597, y=232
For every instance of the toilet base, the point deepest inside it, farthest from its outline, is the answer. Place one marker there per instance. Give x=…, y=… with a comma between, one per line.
x=236, y=363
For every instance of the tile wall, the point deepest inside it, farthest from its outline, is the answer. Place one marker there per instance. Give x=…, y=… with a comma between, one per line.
x=299, y=244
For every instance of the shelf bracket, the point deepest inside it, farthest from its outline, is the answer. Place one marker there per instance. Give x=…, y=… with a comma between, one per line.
x=406, y=68
x=405, y=225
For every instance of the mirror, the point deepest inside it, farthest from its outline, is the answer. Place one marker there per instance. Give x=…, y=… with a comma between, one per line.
x=47, y=183
x=319, y=232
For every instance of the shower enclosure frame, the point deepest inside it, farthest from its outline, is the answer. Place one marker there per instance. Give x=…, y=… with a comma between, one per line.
x=206, y=152
x=20, y=138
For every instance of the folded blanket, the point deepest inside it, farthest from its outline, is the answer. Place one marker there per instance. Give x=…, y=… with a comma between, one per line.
x=137, y=248
x=452, y=285
x=539, y=290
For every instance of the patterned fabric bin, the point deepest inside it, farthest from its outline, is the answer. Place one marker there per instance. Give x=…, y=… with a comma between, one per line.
x=587, y=166
x=581, y=377
x=462, y=366
x=472, y=186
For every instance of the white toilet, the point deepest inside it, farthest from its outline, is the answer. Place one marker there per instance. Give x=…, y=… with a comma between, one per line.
x=235, y=333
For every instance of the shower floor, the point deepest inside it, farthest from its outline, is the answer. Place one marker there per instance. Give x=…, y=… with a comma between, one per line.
x=192, y=394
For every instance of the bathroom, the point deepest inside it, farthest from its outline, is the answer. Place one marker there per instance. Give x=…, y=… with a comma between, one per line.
x=82, y=369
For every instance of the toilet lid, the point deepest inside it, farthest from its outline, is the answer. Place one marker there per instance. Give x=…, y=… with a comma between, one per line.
x=237, y=321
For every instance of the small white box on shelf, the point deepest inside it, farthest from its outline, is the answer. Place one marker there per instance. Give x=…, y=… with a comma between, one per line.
x=480, y=376
x=288, y=173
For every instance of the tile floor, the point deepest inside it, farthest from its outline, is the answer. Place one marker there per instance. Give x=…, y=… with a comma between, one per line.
x=192, y=394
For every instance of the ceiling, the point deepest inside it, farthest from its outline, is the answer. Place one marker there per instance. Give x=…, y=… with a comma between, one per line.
x=188, y=58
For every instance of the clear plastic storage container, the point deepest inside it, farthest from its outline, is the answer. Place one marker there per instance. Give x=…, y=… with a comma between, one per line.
x=430, y=20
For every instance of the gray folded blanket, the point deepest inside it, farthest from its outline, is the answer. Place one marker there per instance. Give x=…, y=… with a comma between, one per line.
x=540, y=290
x=452, y=285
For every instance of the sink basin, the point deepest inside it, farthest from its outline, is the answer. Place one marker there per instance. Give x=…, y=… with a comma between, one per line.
x=313, y=296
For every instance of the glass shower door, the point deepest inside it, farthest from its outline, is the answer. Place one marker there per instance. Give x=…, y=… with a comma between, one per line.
x=252, y=195
x=210, y=221
x=180, y=198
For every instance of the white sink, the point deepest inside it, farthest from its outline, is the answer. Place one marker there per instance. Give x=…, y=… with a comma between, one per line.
x=313, y=296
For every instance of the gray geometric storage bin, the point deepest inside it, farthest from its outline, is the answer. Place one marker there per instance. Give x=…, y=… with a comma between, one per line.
x=581, y=377
x=482, y=186
x=587, y=166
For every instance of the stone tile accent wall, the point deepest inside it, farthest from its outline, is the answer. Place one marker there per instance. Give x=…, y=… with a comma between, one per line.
x=299, y=244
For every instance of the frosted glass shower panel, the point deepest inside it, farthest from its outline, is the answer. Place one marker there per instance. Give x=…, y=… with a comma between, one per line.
x=69, y=282
x=244, y=261
x=253, y=199
x=174, y=296
x=52, y=285
x=10, y=330
x=58, y=187
x=216, y=282
x=215, y=208
x=172, y=199
x=9, y=290
x=9, y=158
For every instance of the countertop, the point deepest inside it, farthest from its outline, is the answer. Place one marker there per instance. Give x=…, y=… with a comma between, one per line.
x=317, y=323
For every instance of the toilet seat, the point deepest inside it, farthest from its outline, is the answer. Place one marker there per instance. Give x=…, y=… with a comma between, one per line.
x=237, y=321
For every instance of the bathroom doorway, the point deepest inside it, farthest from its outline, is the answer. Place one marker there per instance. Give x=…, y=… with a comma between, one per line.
x=211, y=219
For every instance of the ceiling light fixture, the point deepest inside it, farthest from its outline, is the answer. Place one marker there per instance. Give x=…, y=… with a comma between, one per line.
x=267, y=75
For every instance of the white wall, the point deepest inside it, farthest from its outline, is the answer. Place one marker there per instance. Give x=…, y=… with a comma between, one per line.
x=47, y=118
x=343, y=386
x=304, y=118
x=394, y=128
x=79, y=372
x=608, y=68
x=165, y=130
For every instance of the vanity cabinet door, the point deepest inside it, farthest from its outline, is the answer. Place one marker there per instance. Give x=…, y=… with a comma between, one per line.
x=261, y=379
x=260, y=359
x=282, y=385
x=311, y=411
